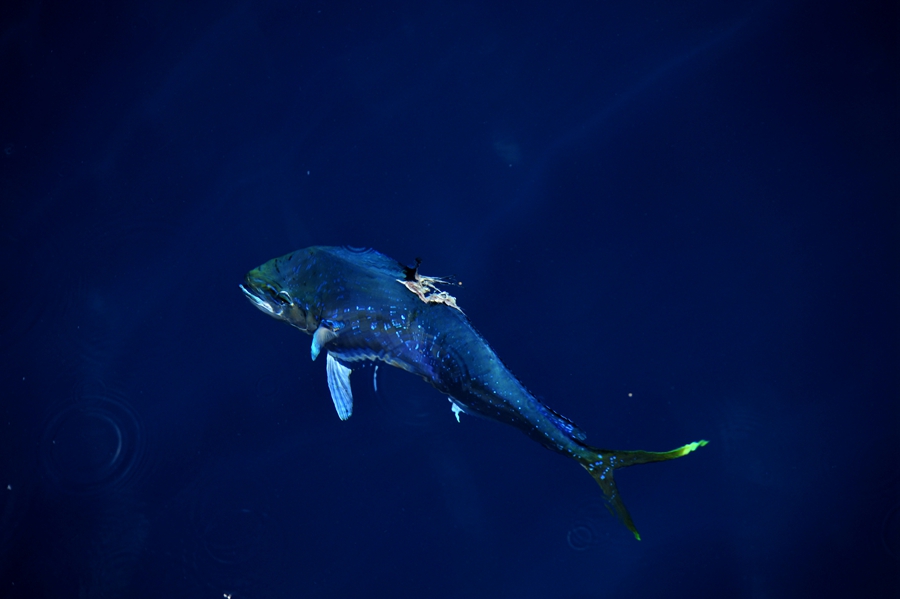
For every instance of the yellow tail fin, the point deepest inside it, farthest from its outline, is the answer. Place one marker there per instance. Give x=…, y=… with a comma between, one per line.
x=606, y=461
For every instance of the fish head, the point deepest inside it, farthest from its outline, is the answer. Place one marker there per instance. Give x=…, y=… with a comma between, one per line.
x=266, y=290
x=311, y=285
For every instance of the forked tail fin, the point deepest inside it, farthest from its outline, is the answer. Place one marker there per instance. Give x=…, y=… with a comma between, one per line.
x=602, y=465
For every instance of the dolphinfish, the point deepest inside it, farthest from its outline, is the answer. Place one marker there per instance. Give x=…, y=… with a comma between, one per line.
x=360, y=305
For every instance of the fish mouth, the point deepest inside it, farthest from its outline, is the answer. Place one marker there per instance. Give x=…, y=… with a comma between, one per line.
x=258, y=301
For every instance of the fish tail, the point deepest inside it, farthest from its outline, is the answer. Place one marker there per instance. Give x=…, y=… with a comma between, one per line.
x=602, y=462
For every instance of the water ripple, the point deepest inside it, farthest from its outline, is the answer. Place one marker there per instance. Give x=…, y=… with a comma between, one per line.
x=230, y=516
x=589, y=529
x=93, y=443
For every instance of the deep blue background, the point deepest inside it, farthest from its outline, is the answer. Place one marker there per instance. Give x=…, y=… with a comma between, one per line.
x=673, y=220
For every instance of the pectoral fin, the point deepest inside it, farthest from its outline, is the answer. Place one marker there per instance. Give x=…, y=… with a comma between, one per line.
x=322, y=336
x=339, y=385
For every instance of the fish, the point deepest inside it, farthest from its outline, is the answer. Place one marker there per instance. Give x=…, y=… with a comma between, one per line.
x=361, y=306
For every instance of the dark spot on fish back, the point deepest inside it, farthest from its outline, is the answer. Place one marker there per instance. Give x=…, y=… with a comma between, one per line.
x=411, y=273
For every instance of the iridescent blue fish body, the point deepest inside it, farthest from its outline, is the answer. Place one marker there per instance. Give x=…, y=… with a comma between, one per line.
x=360, y=305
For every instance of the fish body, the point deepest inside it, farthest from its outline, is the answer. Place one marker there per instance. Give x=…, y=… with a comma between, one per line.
x=360, y=305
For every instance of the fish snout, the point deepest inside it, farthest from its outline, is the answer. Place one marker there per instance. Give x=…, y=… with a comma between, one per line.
x=264, y=295
x=259, y=300
x=273, y=300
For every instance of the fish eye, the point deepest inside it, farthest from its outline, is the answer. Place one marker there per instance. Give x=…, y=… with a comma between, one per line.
x=283, y=298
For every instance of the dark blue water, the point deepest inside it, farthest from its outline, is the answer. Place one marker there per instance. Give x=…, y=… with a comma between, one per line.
x=673, y=221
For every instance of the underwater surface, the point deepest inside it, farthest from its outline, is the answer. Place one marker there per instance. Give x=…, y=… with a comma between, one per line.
x=671, y=221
